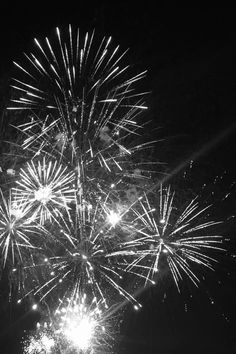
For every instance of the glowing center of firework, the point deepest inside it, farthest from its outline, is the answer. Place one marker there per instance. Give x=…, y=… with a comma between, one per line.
x=80, y=333
x=113, y=218
x=43, y=194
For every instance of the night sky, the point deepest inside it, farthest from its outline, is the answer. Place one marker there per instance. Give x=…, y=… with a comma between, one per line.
x=189, y=54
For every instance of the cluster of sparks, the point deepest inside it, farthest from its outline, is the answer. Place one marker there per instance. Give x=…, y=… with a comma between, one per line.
x=79, y=214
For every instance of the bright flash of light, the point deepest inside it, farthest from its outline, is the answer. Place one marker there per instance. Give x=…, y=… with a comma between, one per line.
x=81, y=322
x=78, y=324
x=179, y=237
x=80, y=331
x=113, y=218
x=46, y=187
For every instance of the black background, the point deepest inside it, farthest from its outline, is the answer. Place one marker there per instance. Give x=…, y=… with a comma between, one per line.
x=189, y=54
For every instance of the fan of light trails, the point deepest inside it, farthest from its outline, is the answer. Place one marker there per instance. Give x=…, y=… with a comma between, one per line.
x=75, y=70
x=180, y=237
x=46, y=187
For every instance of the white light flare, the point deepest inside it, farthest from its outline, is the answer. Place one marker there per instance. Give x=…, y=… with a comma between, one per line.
x=80, y=331
x=113, y=218
x=43, y=194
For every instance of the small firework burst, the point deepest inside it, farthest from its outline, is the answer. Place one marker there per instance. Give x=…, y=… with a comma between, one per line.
x=46, y=187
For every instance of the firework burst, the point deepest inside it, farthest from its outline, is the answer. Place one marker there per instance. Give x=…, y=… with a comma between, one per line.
x=75, y=71
x=79, y=256
x=77, y=325
x=179, y=237
x=46, y=187
x=93, y=104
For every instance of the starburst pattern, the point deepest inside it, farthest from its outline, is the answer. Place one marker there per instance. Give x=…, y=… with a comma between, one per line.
x=180, y=236
x=47, y=188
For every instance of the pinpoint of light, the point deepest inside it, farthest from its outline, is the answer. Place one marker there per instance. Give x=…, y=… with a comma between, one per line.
x=34, y=307
x=43, y=194
x=113, y=218
x=162, y=221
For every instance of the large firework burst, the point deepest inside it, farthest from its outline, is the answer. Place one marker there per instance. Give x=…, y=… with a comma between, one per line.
x=81, y=82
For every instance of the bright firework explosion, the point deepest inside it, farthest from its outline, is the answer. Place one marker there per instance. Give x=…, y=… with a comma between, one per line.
x=75, y=326
x=86, y=87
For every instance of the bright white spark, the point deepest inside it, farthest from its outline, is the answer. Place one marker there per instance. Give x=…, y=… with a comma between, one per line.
x=43, y=194
x=80, y=331
x=113, y=218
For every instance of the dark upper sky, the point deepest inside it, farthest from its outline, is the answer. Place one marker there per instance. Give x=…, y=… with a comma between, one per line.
x=190, y=57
